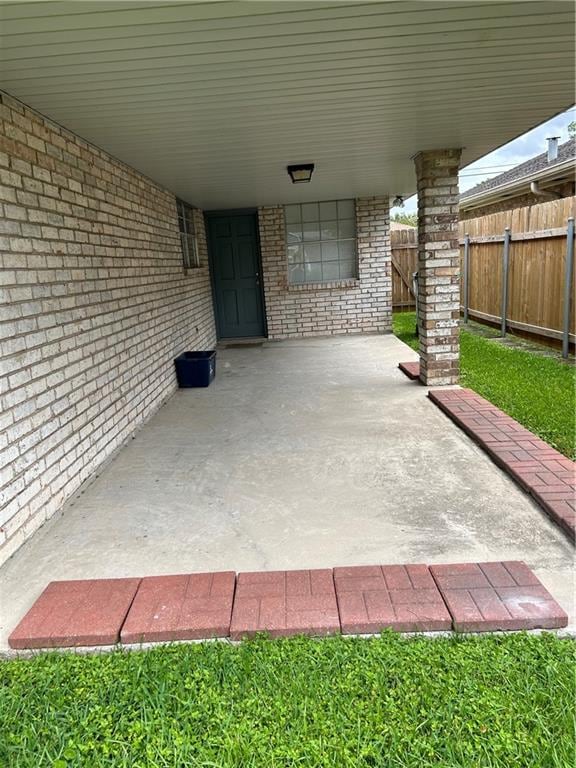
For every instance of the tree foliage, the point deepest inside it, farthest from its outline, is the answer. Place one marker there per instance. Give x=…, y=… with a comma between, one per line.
x=406, y=218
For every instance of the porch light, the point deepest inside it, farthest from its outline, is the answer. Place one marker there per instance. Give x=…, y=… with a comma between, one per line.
x=300, y=174
x=398, y=202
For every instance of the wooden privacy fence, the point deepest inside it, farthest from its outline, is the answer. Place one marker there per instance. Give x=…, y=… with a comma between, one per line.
x=517, y=269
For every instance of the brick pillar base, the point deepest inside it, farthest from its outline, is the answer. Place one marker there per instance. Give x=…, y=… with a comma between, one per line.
x=438, y=266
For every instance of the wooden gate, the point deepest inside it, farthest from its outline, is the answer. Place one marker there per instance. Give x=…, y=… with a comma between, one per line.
x=404, y=264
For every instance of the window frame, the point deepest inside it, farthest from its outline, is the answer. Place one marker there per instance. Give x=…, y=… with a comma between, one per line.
x=188, y=237
x=336, y=219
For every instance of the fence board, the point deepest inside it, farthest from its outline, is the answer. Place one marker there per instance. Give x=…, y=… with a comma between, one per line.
x=537, y=265
x=485, y=277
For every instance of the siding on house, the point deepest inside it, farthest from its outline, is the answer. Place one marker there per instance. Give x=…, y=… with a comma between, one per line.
x=95, y=306
x=361, y=305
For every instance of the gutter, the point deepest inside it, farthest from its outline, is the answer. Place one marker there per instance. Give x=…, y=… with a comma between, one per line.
x=494, y=195
x=546, y=194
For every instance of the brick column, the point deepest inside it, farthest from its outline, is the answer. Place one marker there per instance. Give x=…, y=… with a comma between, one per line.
x=438, y=265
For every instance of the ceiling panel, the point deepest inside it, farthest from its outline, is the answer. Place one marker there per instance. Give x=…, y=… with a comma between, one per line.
x=214, y=99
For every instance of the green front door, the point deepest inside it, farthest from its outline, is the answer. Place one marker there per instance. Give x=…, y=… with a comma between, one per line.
x=235, y=261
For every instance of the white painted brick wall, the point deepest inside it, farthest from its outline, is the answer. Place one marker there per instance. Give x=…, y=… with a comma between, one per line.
x=363, y=305
x=94, y=306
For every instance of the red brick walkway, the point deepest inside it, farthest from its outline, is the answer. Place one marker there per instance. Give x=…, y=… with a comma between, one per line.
x=364, y=599
x=541, y=470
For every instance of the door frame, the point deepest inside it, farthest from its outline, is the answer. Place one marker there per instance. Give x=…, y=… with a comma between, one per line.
x=214, y=214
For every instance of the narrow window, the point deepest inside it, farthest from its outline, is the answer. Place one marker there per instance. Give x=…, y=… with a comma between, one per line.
x=190, y=256
x=321, y=241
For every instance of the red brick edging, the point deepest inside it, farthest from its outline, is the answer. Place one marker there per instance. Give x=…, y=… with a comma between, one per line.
x=538, y=468
x=352, y=600
x=412, y=369
x=485, y=597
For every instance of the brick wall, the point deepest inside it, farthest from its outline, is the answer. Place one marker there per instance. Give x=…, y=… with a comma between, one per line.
x=95, y=305
x=566, y=189
x=363, y=305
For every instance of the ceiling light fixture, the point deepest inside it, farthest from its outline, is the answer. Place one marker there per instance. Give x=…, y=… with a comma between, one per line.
x=398, y=202
x=300, y=174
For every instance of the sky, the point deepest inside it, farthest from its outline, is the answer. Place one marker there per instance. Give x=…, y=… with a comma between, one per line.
x=515, y=152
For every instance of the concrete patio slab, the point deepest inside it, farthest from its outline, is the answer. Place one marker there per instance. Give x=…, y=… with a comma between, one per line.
x=194, y=606
x=300, y=454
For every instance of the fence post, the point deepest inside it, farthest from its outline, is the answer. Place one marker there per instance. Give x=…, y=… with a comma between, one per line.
x=568, y=275
x=466, y=274
x=505, y=265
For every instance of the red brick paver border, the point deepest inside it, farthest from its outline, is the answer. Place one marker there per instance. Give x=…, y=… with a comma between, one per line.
x=484, y=597
x=284, y=603
x=412, y=369
x=400, y=597
x=193, y=606
x=475, y=597
x=541, y=470
x=76, y=613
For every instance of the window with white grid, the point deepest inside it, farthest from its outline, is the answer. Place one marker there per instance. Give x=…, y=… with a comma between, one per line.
x=188, y=240
x=321, y=241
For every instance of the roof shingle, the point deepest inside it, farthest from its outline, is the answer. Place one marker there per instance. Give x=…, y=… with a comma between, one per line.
x=565, y=152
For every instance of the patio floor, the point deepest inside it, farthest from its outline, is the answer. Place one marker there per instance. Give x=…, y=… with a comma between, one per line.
x=313, y=453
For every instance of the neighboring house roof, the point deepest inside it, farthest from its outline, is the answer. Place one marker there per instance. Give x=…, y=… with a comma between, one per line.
x=397, y=225
x=517, y=180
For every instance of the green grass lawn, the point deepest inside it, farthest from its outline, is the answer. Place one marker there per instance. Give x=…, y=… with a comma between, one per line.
x=492, y=701
x=537, y=391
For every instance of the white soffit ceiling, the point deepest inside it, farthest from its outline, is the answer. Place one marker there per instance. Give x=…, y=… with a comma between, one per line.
x=214, y=99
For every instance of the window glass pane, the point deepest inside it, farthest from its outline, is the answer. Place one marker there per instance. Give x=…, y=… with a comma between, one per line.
x=294, y=233
x=331, y=270
x=346, y=228
x=310, y=212
x=347, y=269
x=296, y=274
x=327, y=211
x=293, y=214
x=184, y=243
x=329, y=251
x=310, y=231
x=190, y=256
x=346, y=249
x=313, y=273
x=320, y=241
x=295, y=254
x=312, y=252
x=329, y=230
x=346, y=209
x=193, y=257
